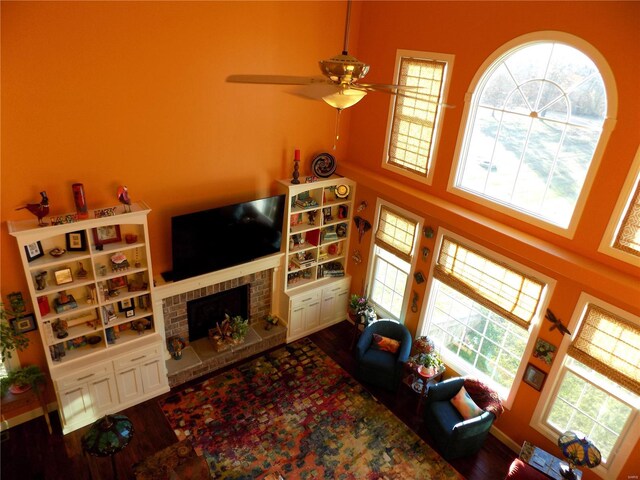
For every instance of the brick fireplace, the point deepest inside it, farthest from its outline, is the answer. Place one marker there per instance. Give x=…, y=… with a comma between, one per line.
x=261, y=278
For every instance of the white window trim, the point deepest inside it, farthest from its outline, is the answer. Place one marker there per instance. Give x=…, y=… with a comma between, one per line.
x=617, y=216
x=419, y=222
x=536, y=322
x=544, y=403
x=446, y=81
x=607, y=128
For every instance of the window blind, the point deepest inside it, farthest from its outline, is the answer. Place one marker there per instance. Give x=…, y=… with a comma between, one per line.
x=628, y=238
x=495, y=285
x=610, y=345
x=414, y=115
x=396, y=233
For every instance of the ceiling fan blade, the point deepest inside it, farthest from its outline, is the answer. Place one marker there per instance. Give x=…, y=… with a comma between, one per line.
x=275, y=79
x=380, y=87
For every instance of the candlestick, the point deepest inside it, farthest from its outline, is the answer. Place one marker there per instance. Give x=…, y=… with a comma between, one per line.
x=296, y=173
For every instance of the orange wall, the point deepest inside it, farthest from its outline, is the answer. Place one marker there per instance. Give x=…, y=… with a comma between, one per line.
x=134, y=93
x=472, y=31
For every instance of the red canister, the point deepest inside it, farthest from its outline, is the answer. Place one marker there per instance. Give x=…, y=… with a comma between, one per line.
x=81, y=201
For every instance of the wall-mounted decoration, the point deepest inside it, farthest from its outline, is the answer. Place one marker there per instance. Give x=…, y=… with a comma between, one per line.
x=419, y=277
x=24, y=324
x=544, y=350
x=428, y=232
x=363, y=206
x=357, y=257
x=414, y=302
x=425, y=253
x=534, y=377
x=362, y=225
x=557, y=323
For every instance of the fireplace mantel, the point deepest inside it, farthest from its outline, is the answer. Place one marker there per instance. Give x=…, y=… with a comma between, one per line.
x=169, y=289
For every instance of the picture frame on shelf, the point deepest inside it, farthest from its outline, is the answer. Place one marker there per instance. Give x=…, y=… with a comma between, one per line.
x=130, y=313
x=24, y=324
x=534, y=377
x=34, y=250
x=63, y=276
x=76, y=241
x=106, y=234
x=125, y=305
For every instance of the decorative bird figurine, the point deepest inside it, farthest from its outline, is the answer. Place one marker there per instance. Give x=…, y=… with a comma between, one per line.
x=557, y=323
x=123, y=196
x=40, y=210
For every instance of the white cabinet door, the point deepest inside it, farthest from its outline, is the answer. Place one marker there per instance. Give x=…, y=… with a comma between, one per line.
x=335, y=299
x=153, y=376
x=312, y=315
x=104, y=394
x=129, y=384
x=77, y=406
x=296, y=319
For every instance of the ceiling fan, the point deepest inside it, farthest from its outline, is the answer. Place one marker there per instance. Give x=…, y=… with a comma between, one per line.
x=338, y=86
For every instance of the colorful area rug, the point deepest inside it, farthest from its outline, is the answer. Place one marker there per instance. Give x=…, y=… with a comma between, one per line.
x=296, y=411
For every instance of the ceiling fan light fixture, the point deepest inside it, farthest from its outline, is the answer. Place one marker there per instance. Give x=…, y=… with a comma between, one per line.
x=343, y=68
x=344, y=98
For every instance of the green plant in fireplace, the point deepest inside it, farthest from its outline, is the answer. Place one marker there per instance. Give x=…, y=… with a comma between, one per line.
x=239, y=328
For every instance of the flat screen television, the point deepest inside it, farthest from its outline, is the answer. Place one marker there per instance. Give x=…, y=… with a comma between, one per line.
x=218, y=238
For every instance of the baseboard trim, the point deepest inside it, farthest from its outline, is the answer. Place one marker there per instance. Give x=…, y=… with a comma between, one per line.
x=505, y=439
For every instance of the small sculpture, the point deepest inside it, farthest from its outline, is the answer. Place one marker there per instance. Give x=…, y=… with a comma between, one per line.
x=41, y=280
x=81, y=272
x=60, y=327
x=123, y=197
x=40, y=210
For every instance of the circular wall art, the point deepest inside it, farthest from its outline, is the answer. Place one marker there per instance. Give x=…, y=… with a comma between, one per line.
x=323, y=165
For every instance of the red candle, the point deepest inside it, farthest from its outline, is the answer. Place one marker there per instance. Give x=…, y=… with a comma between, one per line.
x=296, y=155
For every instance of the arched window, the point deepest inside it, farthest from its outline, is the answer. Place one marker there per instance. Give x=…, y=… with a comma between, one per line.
x=534, y=126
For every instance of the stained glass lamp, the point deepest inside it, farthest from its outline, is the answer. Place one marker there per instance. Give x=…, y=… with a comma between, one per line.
x=579, y=452
x=108, y=436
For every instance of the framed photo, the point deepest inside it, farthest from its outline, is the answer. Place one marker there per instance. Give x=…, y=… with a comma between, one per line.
x=130, y=313
x=25, y=324
x=76, y=241
x=534, y=377
x=126, y=304
x=108, y=234
x=116, y=283
x=63, y=276
x=33, y=251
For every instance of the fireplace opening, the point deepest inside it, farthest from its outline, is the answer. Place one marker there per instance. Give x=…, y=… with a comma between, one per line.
x=206, y=312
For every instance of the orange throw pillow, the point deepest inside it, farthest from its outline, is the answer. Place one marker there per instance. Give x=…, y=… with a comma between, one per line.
x=386, y=344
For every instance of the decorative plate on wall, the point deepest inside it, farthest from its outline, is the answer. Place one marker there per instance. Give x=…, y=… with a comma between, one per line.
x=323, y=165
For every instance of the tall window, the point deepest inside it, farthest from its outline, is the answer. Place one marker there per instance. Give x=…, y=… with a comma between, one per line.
x=480, y=310
x=533, y=126
x=597, y=388
x=416, y=112
x=622, y=237
x=393, y=252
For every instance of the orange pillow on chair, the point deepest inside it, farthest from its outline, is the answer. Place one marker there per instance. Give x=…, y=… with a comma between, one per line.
x=385, y=344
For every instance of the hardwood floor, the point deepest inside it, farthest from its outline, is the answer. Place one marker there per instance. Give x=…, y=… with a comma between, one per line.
x=30, y=453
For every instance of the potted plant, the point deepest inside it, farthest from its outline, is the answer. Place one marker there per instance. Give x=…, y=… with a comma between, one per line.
x=23, y=379
x=360, y=307
x=425, y=359
x=239, y=328
x=9, y=339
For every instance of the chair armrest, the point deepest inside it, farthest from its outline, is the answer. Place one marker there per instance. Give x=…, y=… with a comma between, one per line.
x=445, y=390
x=364, y=342
x=474, y=426
x=405, y=347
